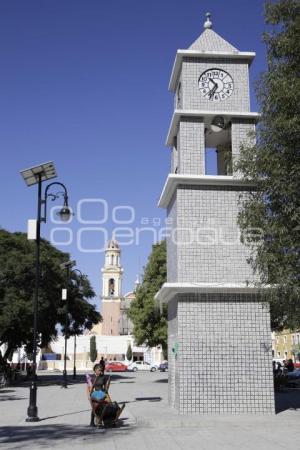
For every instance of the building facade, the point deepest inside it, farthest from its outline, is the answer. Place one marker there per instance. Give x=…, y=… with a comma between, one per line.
x=286, y=345
x=216, y=320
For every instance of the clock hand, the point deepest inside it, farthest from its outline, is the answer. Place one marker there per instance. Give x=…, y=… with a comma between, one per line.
x=213, y=91
x=210, y=79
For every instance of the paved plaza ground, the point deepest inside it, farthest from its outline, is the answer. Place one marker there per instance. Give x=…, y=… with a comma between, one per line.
x=147, y=421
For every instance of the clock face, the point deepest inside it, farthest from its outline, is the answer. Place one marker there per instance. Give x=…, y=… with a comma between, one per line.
x=215, y=85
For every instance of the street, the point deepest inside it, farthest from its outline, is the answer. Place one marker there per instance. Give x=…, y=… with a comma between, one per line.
x=147, y=421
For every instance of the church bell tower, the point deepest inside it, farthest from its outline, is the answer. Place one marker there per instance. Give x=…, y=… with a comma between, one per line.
x=111, y=289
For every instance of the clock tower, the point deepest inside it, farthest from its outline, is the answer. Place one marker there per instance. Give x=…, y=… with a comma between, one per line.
x=219, y=335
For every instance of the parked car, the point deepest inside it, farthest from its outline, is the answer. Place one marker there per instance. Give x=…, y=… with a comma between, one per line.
x=163, y=366
x=154, y=367
x=139, y=365
x=115, y=366
x=295, y=375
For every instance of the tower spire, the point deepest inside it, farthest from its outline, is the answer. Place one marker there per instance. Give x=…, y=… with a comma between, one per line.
x=207, y=23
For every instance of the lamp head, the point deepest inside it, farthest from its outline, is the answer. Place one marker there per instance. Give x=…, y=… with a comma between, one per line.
x=68, y=264
x=65, y=213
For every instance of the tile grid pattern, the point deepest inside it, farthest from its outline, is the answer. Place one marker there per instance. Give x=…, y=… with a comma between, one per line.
x=209, y=248
x=172, y=259
x=192, y=68
x=223, y=365
x=240, y=130
x=191, y=146
x=174, y=368
x=224, y=358
x=211, y=41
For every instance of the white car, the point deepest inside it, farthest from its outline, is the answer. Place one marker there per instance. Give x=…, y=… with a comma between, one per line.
x=140, y=365
x=154, y=367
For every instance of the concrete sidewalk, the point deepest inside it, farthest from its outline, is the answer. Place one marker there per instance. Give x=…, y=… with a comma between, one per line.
x=147, y=421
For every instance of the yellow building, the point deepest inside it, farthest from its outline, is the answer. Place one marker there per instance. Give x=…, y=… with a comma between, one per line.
x=283, y=343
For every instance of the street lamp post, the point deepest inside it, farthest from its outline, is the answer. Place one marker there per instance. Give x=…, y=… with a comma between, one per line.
x=74, y=358
x=65, y=381
x=68, y=265
x=74, y=366
x=32, y=176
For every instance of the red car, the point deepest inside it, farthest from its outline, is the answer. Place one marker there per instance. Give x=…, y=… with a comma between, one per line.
x=115, y=366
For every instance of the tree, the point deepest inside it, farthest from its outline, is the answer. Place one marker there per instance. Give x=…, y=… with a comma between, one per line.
x=129, y=352
x=93, y=349
x=150, y=326
x=273, y=162
x=17, y=281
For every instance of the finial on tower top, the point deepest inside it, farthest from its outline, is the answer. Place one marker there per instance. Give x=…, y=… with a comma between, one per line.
x=208, y=23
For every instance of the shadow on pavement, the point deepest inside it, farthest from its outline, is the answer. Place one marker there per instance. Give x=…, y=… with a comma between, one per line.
x=50, y=435
x=57, y=379
x=287, y=399
x=142, y=399
x=5, y=398
x=149, y=399
x=161, y=380
x=8, y=395
x=62, y=415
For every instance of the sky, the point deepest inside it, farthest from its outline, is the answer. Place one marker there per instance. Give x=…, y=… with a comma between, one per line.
x=84, y=83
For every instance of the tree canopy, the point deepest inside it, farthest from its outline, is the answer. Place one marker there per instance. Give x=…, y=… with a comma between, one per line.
x=93, y=349
x=129, y=352
x=150, y=326
x=273, y=162
x=17, y=282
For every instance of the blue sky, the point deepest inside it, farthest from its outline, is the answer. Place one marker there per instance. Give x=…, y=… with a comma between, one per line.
x=84, y=83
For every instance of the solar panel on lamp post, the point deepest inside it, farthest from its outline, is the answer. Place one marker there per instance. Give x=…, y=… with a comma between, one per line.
x=32, y=176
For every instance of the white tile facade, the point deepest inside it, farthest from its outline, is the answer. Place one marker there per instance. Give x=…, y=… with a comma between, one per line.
x=224, y=358
x=192, y=68
x=223, y=364
x=205, y=243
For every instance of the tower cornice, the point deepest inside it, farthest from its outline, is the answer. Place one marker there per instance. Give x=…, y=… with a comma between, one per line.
x=180, y=54
x=169, y=290
x=113, y=269
x=178, y=113
x=174, y=180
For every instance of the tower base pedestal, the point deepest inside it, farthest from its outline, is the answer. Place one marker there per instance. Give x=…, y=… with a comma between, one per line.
x=220, y=357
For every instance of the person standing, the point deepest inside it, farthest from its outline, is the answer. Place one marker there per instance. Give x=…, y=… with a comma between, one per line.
x=102, y=364
x=290, y=365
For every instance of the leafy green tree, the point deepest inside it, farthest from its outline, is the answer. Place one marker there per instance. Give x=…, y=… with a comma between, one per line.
x=150, y=326
x=273, y=162
x=129, y=352
x=93, y=349
x=17, y=282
